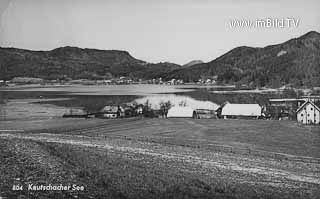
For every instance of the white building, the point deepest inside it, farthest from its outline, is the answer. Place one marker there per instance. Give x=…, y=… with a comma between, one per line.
x=308, y=113
x=181, y=111
x=112, y=112
x=241, y=110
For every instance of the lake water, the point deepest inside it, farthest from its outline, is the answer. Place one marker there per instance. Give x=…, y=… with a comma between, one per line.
x=133, y=89
x=93, y=98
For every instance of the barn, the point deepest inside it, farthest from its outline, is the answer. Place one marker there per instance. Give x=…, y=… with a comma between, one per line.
x=241, y=111
x=308, y=113
x=182, y=112
x=111, y=112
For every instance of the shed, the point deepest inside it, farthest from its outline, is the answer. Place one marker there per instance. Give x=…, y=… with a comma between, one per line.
x=241, y=110
x=308, y=113
x=181, y=111
x=205, y=114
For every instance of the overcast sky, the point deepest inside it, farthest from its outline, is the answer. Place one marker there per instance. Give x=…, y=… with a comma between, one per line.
x=152, y=30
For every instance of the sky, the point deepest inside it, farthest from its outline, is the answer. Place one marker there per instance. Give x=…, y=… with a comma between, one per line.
x=175, y=31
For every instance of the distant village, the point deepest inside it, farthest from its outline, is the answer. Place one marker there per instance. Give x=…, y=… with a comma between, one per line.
x=113, y=81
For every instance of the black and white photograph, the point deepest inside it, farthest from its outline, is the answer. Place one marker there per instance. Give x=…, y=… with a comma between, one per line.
x=159, y=99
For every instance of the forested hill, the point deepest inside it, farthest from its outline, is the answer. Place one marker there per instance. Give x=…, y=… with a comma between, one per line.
x=295, y=62
x=77, y=63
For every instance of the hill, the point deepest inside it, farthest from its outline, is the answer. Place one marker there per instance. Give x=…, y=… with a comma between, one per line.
x=295, y=62
x=75, y=63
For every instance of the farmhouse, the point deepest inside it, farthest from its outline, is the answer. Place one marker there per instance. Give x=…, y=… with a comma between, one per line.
x=112, y=112
x=241, y=111
x=2, y=82
x=182, y=112
x=308, y=113
x=286, y=108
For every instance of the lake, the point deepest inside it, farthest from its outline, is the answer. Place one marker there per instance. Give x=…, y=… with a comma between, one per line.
x=40, y=101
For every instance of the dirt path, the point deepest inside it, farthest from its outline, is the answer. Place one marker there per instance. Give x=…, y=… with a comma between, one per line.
x=221, y=161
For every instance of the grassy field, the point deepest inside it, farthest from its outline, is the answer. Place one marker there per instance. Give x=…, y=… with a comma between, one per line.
x=287, y=137
x=161, y=158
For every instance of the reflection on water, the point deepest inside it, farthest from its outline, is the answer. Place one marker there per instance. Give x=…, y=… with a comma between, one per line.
x=139, y=89
x=176, y=100
x=232, y=97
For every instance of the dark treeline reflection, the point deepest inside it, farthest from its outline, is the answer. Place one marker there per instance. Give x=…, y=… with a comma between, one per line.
x=241, y=98
x=90, y=103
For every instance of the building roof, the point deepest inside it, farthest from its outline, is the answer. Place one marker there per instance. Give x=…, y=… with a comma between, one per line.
x=110, y=109
x=312, y=96
x=302, y=98
x=286, y=100
x=180, y=111
x=241, y=109
x=308, y=102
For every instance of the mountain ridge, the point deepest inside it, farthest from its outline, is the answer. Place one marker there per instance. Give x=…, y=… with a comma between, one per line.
x=295, y=61
x=298, y=64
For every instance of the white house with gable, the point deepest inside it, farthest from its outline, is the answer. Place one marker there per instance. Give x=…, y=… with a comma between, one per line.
x=308, y=113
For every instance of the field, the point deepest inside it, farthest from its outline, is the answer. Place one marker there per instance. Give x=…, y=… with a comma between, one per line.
x=161, y=158
x=150, y=158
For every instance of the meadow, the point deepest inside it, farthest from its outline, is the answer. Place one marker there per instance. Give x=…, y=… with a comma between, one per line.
x=163, y=158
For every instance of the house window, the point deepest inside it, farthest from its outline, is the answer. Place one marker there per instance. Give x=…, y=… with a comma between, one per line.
x=311, y=108
x=308, y=114
x=301, y=114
